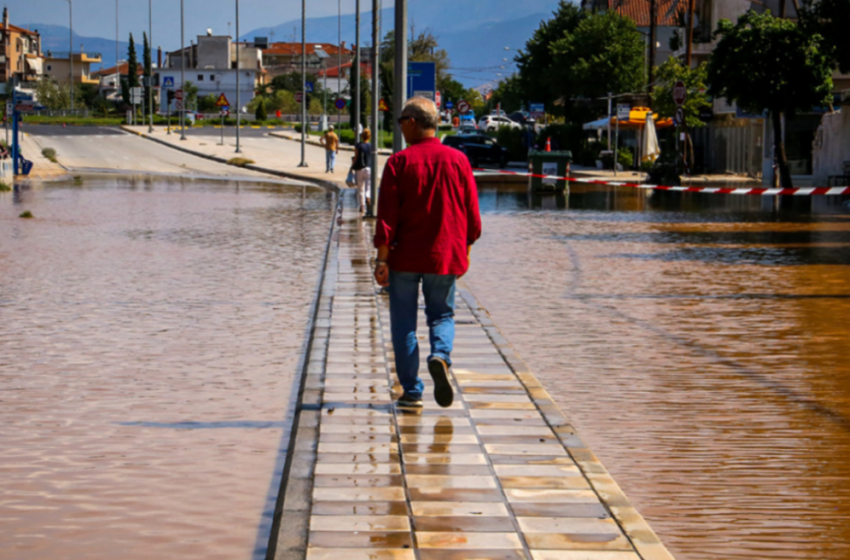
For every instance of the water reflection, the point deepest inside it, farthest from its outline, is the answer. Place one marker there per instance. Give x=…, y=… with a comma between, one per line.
x=152, y=329
x=698, y=344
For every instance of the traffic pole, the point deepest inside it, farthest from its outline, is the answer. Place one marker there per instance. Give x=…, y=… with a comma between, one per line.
x=303, y=84
x=376, y=33
x=400, y=69
x=238, y=98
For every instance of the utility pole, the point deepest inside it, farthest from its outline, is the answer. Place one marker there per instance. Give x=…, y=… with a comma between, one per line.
x=400, y=78
x=238, y=97
x=690, y=38
x=339, y=59
x=376, y=96
x=117, y=67
x=304, y=123
x=359, y=66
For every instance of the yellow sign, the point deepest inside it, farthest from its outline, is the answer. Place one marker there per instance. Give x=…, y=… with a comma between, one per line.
x=222, y=101
x=382, y=106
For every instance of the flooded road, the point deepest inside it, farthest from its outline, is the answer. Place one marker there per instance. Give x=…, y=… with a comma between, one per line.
x=699, y=345
x=151, y=336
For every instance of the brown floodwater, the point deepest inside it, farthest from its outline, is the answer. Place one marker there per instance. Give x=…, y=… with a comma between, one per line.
x=699, y=345
x=150, y=336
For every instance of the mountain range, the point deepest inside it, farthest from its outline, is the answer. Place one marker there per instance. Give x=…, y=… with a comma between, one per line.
x=475, y=33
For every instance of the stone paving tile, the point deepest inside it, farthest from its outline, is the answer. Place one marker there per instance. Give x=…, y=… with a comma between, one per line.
x=491, y=477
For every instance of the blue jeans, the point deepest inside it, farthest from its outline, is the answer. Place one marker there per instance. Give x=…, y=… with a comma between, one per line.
x=439, y=292
x=330, y=160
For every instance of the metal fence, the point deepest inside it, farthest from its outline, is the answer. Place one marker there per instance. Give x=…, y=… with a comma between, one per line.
x=57, y=113
x=733, y=147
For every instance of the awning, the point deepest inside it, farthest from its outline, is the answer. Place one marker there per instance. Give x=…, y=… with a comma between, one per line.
x=36, y=65
x=636, y=121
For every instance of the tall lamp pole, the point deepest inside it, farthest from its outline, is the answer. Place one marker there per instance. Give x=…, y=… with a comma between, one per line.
x=117, y=67
x=376, y=58
x=357, y=85
x=238, y=96
x=183, y=98
x=304, y=84
x=400, y=87
x=150, y=58
x=339, y=59
x=71, y=49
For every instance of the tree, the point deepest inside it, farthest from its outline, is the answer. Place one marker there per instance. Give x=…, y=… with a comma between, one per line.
x=510, y=93
x=764, y=63
x=146, y=58
x=132, y=64
x=260, y=112
x=207, y=103
x=604, y=54
x=694, y=79
x=536, y=61
x=190, y=95
x=830, y=19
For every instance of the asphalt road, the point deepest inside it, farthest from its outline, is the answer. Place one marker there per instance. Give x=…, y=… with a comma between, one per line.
x=58, y=130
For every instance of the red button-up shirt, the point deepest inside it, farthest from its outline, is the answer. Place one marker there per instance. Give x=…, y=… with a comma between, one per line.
x=428, y=209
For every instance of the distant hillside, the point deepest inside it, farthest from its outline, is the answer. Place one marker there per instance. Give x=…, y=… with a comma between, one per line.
x=55, y=38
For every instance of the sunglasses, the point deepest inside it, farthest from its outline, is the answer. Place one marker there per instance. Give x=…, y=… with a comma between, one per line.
x=402, y=119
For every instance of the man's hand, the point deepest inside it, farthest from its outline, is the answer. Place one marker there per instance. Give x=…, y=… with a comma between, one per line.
x=382, y=274
x=468, y=260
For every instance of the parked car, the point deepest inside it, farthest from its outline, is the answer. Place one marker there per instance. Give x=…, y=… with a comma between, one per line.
x=522, y=117
x=492, y=122
x=479, y=148
x=468, y=128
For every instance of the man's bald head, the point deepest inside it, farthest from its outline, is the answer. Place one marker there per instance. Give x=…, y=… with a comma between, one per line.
x=423, y=111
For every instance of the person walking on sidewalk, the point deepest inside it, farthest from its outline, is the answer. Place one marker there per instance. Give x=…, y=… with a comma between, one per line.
x=331, y=143
x=363, y=169
x=428, y=219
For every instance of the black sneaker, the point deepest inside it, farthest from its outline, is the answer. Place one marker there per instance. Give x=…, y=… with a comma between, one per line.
x=409, y=402
x=443, y=393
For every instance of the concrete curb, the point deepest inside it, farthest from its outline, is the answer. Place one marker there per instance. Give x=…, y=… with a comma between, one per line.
x=330, y=185
x=643, y=538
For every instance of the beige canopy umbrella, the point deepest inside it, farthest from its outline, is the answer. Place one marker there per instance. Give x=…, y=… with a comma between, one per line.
x=649, y=150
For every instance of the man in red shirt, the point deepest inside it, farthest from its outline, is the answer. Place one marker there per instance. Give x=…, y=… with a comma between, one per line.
x=427, y=222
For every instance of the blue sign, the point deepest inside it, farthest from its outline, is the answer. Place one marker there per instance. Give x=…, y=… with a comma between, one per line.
x=449, y=104
x=422, y=80
x=340, y=103
x=167, y=81
x=309, y=87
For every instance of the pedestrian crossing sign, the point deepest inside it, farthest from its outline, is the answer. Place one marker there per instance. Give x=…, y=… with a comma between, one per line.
x=222, y=101
x=382, y=105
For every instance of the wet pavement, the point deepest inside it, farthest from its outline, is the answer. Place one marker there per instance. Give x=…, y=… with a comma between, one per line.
x=152, y=332
x=498, y=475
x=698, y=345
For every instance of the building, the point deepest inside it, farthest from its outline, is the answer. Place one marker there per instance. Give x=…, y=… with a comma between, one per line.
x=285, y=58
x=109, y=79
x=210, y=65
x=57, y=66
x=20, y=52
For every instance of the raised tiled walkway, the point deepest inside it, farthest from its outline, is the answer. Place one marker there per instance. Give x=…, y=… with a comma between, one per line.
x=498, y=475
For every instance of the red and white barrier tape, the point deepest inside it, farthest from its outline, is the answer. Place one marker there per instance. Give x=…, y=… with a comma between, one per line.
x=761, y=191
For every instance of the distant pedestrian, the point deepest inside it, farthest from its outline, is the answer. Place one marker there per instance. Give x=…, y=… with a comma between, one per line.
x=331, y=143
x=363, y=170
x=428, y=220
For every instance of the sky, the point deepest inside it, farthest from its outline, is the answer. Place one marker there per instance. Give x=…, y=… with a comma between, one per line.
x=96, y=18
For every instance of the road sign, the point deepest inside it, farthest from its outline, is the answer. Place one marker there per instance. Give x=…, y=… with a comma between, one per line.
x=462, y=107
x=178, y=104
x=299, y=97
x=449, y=104
x=537, y=110
x=623, y=112
x=438, y=99
x=136, y=94
x=422, y=80
x=340, y=104
x=382, y=105
x=9, y=107
x=167, y=81
x=680, y=93
x=309, y=87
x=679, y=117
x=178, y=95
x=222, y=101
x=24, y=106
x=224, y=108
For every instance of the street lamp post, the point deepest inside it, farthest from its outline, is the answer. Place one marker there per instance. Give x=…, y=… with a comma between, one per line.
x=359, y=67
x=238, y=96
x=71, y=49
x=303, y=84
x=376, y=53
x=339, y=59
x=150, y=58
x=183, y=97
x=400, y=88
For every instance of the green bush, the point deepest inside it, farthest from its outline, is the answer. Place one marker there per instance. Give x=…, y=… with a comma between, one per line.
x=513, y=140
x=625, y=157
x=589, y=153
x=49, y=153
x=4, y=187
x=564, y=137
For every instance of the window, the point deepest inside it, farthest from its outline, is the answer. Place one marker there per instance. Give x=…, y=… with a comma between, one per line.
x=212, y=77
x=200, y=77
x=49, y=67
